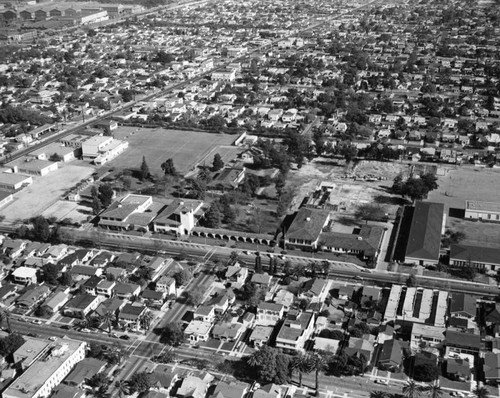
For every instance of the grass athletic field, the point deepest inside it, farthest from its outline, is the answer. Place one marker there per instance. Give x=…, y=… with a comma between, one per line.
x=186, y=148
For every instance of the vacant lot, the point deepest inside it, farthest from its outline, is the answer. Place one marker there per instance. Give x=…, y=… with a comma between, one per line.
x=44, y=192
x=463, y=183
x=186, y=148
x=65, y=209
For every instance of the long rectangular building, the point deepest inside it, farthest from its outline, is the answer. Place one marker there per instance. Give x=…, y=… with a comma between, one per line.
x=424, y=240
x=48, y=371
x=482, y=211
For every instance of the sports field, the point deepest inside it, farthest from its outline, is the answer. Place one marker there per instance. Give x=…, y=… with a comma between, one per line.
x=466, y=183
x=186, y=148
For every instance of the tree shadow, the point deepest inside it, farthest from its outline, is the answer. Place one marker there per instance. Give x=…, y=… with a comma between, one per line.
x=456, y=213
x=389, y=200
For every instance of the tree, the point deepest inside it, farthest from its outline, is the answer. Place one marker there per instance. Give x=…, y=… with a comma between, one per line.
x=258, y=264
x=194, y=297
x=173, y=334
x=182, y=277
x=140, y=382
x=370, y=211
x=108, y=318
x=50, y=274
x=5, y=318
x=66, y=279
x=411, y=281
x=264, y=363
x=144, y=170
x=217, y=163
x=279, y=184
x=302, y=364
x=411, y=389
x=42, y=311
x=282, y=366
x=213, y=216
x=319, y=363
x=122, y=388
x=96, y=206
x=105, y=193
x=99, y=380
x=434, y=390
x=10, y=343
x=481, y=392
x=378, y=394
x=41, y=229
x=168, y=167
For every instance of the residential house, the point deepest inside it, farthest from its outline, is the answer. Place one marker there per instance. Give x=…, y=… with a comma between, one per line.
x=391, y=355
x=323, y=344
x=462, y=342
x=262, y=280
x=31, y=297
x=131, y=314
x=81, y=305
x=284, y=298
x=227, y=331
x=462, y=305
x=198, y=330
x=269, y=313
x=315, y=290
x=125, y=291
x=153, y=297
x=260, y=335
x=458, y=369
x=78, y=257
x=25, y=275
x=90, y=285
x=269, y=391
x=56, y=301
x=105, y=288
x=13, y=247
x=491, y=368
x=232, y=389
x=423, y=336
x=360, y=346
x=84, y=371
x=163, y=381
x=236, y=275
x=295, y=331
x=166, y=284
x=83, y=272
x=192, y=387
x=102, y=259
x=205, y=313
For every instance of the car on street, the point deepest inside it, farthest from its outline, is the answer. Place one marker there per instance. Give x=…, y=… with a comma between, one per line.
x=36, y=321
x=358, y=278
x=382, y=381
x=52, y=338
x=125, y=337
x=65, y=327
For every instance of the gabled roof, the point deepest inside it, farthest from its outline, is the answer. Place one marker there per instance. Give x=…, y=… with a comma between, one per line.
x=486, y=255
x=307, y=224
x=491, y=365
x=463, y=339
x=391, y=353
x=462, y=303
x=424, y=240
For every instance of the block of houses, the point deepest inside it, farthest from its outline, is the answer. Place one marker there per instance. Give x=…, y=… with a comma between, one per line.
x=24, y=275
x=81, y=305
x=424, y=240
x=295, y=331
x=269, y=313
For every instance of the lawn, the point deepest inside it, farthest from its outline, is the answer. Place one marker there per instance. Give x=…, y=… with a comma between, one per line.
x=186, y=148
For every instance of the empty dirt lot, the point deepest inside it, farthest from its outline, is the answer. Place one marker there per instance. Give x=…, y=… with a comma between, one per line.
x=44, y=192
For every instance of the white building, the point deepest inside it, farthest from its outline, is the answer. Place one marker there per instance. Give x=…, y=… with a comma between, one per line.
x=482, y=211
x=24, y=275
x=48, y=371
x=12, y=182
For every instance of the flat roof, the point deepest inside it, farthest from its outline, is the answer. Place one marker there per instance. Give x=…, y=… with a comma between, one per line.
x=52, y=148
x=24, y=272
x=26, y=385
x=30, y=350
x=476, y=205
x=13, y=178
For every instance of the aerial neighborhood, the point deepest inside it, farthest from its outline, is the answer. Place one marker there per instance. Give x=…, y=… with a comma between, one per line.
x=249, y=199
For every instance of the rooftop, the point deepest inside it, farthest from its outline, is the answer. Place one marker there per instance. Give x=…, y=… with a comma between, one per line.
x=476, y=205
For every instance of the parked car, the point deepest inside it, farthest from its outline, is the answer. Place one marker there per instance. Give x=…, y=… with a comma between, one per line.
x=52, y=338
x=125, y=337
x=382, y=381
x=36, y=321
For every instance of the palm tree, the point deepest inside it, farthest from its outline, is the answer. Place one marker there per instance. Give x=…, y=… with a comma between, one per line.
x=411, y=389
x=303, y=364
x=108, y=318
x=434, y=390
x=378, y=394
x=481, y=392
x=319, y=363
x=122, y=388
x=146, y=320
x=5, y=318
